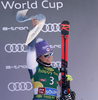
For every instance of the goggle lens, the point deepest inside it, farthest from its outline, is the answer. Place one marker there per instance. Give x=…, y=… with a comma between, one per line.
x=47, y=54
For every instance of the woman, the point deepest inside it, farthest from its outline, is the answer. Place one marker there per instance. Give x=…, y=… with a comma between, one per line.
x=44, y=77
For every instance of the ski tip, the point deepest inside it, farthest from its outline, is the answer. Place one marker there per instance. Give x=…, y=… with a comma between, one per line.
x=65, y=27
x=65, y=22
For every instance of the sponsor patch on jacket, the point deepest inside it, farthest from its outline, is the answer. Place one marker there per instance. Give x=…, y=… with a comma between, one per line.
x=46, y=91
x=41, y=90
x=43, y=80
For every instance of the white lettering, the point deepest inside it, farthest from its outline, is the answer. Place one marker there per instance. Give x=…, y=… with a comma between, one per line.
x=16, y=67
x=52, y=6
x=55, y=46
x=45, y=47
x=19, y=5
x=57, y=5
x=7, y=4
x=14, y=28
x=27, y=5
x=43, y=4
x=24, y=4
x=34, y=5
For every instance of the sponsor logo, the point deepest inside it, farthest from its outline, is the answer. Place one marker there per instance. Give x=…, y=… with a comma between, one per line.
x=15, y=28
x=51, y=27
x=55, y=46
x=38, y=96
x=16, y=67
x=13, y=48
x=43, y=80
x=50, y=91
x=48, y=49
x=49, y=69
x=56, y=64
x=46, y=91
x=20, y=86
x=45, y=47
x=41, y=90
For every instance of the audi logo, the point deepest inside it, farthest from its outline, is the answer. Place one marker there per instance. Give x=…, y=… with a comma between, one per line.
x=51, y=27
x=13, y=48
x=20, y=86
x=56, y=64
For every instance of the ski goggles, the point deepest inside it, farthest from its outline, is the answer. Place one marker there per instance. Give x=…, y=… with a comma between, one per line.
x=47, y=54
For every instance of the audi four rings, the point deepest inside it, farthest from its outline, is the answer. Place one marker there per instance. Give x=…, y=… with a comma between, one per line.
x=20, y=86
x=15, y=48
x=56, y=64
x=51, y=27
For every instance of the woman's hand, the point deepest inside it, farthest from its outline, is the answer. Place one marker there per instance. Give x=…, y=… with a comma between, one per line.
x=34, y=22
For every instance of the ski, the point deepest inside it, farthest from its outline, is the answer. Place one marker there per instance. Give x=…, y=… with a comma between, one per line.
x=65, y=85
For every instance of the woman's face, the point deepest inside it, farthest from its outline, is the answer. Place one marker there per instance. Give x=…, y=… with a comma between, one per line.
x=47, y=57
